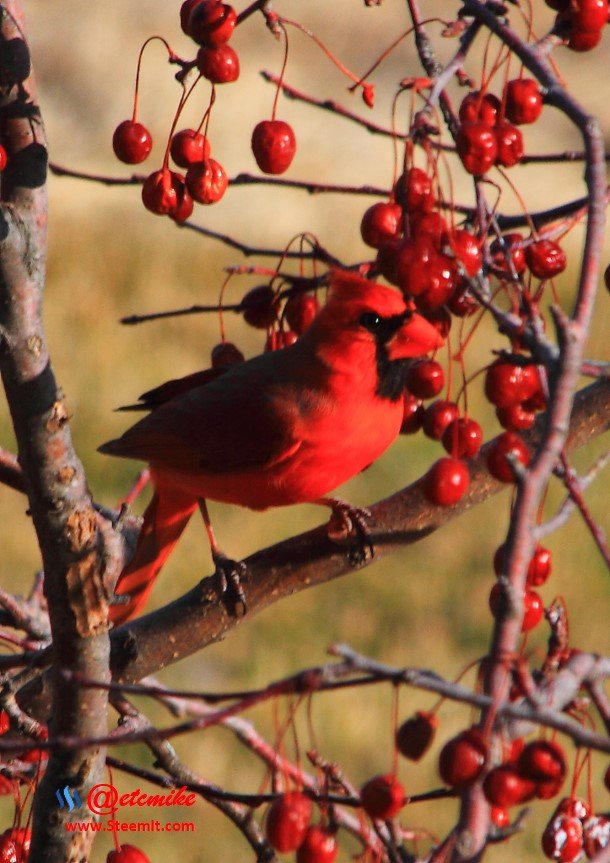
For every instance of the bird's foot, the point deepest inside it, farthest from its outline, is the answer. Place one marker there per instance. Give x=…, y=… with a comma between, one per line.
x=349, y=522
x=230, y=575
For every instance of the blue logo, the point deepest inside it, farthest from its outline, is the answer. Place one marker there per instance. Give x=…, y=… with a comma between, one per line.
x=71, y=799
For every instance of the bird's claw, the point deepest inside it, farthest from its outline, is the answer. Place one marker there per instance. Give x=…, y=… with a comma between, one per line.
x=349, y=522
x=230, y=574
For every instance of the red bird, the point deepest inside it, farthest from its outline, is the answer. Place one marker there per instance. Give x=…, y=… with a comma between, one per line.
x=284, y=427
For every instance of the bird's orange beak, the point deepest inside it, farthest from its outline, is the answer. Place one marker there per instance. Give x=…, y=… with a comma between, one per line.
x=415, y=338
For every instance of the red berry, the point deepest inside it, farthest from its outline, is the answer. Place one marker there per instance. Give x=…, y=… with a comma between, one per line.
x=545, y=258
x=413, y=191
x=207, y=181
x=523, y=101
x=226, y=354
x=430, y=225
x=273, y=145
x=8, y=850
x=505, y=786
x=382, y=797
x=300, y=311
x=543, y=760
x=502, y=252
x=439, y=283
x=466, y=249
x=127, y=854
x=539, y=568
x=219, y=65
x=287, y=821
x=413, y=414
x=506, y=445
x=534, y=611
x=185, y=14
x=596, y=834
x=189, y=147
x=480, y=107
x=319, y=846
x=588, y=15
x=414, y=737
x=380, y=223
x=462, y=759
x=508, y=384
x=425, y=379
x=260, y=307
x=184, y=203
x=477, y=147
x=549, y=789
x=562, y=839
x=21, y=837
x=462, y=304
x=211, y=23
x=575, y=807
x=584, y=40
x=131, y=142
x=438, y=416
x=447, y=481
x=515, y=417
x=463, y=438
x=3, y=158
x=159, y=193
x=499, y=816
x=5, y=722
x=510, y=145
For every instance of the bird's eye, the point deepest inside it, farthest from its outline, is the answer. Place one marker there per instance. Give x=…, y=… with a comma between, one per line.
x=371, y=321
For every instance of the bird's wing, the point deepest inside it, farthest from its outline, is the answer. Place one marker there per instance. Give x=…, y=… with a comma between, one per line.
x=247, y=418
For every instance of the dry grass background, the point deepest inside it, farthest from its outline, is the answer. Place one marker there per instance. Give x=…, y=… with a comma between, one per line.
x=108, y=257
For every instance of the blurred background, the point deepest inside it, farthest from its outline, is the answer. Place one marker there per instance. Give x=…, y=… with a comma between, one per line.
x=108, y=257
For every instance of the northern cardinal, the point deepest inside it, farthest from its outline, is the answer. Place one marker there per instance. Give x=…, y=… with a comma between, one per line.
x=284, y=427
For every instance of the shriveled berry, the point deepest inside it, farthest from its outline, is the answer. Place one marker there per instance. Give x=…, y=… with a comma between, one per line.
x=380, y=223
x=287, y=821
x=131, y=142
x=506, y=786
x=596, y=834
x=425, y=379
x=504, y=251
x=318, y=846
x=211, y=23
x=545, y=259
x=413, y=191
x=413, y=414
x=159, y=193
x=575, y=807
x=274, y=145
x=189, y=147
x=127, y=854
x=447, y=481
x=562, y=839
x=477, y=147
x=543, y=760
x=260, y=307
x=207, y=181
x=463, y=438
x=510, y=145
x=184, y=203
x=415, y=735
x=219, y=65
x=438, y=416
x=382, y=796
x=300, y=312
x=483, y=107
x=523, y=101
x=503, y=450
x=462, y=759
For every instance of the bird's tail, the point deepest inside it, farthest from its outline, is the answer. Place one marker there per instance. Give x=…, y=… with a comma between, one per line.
x=165, y=518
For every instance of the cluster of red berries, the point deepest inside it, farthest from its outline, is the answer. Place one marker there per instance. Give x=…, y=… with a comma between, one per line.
x=489, y=133
x=574, y=830
x=288, y=828
x=583, y=20
x=210, y=23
